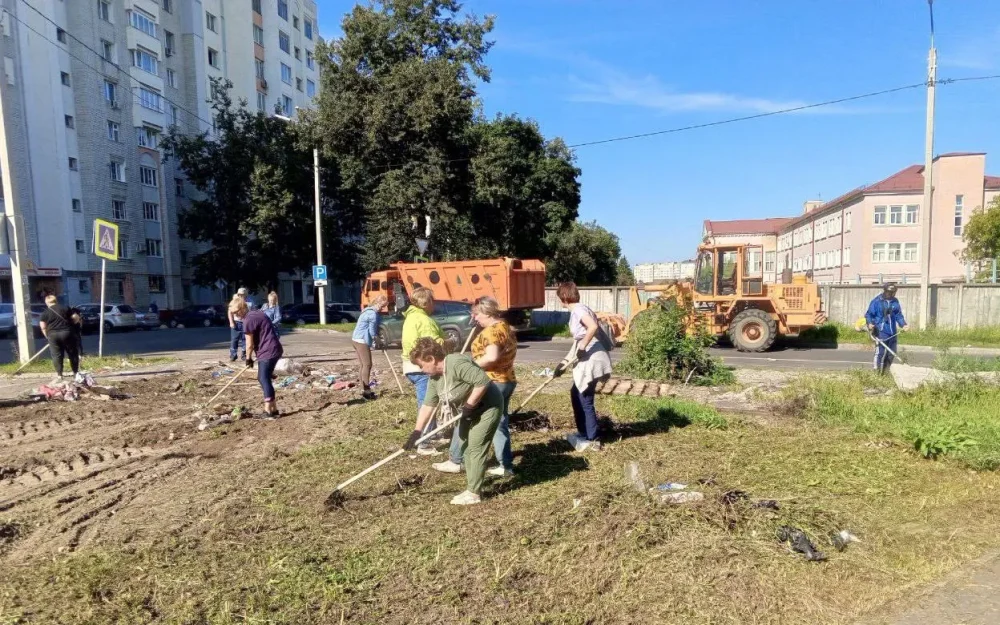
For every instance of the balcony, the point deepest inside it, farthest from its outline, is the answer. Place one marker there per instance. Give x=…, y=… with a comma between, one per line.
x=262, y=85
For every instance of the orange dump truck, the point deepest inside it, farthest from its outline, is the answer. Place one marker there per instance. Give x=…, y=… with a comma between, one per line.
x=517, y=285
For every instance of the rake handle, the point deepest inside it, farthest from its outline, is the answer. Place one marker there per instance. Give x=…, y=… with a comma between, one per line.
x=228, y=384
x=30, y=360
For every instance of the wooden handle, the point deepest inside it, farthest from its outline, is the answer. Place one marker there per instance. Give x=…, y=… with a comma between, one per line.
x=532, y=396
x=228, y=384
x=30, y=360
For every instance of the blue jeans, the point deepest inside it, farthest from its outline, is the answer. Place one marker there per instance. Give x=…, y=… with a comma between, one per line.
x=237, y=340
x=584, y=411
x=883, y=359
x=420, y=381
x=501, y=440
x=265, y=371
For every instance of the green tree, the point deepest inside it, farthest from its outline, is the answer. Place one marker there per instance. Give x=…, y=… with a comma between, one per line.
x=624, y=275
x=982, y=234
x=256, y=209
x=586, y=254
x=397, y=102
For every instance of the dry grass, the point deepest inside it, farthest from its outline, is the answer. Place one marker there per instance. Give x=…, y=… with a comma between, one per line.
x=565, y=541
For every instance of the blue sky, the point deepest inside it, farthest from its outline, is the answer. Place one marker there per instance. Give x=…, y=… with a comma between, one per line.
x=586, y=71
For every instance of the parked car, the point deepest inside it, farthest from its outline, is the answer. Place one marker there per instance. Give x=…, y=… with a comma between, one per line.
x=201, y=316
x=454, y=318
x=7, y=323
x=350, y=312
x=301, y=314
x=90, y=315
x=116, y=316
x=36, y=318
x=147, y=320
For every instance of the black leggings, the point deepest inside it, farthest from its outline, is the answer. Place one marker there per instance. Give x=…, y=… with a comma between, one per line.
x=63, y=343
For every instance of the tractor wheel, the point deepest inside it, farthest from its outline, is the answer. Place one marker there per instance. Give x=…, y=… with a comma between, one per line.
x=753, y=331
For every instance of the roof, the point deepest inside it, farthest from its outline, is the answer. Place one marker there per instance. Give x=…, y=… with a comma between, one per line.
x=745, y=226
x=992, y=182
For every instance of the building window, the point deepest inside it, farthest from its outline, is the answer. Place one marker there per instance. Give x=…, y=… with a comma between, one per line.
x=73, y=164
x=847, y=256
x=879, y=216
x=769, y=262
x=261, y=102
x=298, y=84
x=108, y=52
x=146, y=61
x=123, y=249
x=213, y=58
x=307, y=28
x=895, y=215
x=111, y=92
x=258, y=35
x=298, y=54
x=84, y=287
x=909, y=252
x=959, y=208
x=142, y=21
x=150, y=99
x=287, y=106
x=912, y=214
x=284, y=43
x=147, y=176
x=151, y=211
x=179, y=187
x=118, y=212
x=295, y=22
x=847, y=221
x=895, y=254
x=64, y=77
x=104, y=10
x=147, y=137
x=69, y=121
x=157, y=284
x=77, y=207
x=168, y=42
x=256, y=7
x=79, y=246
x=310, y=60
x=259, y=67
x=154, y=248
x=878, y=252
x=310, y=89
x=113, y=131
x=283, y=9
x=210, y=22
x=171, y=78
x=168, y=6
x=286, y=74
x=173, y=115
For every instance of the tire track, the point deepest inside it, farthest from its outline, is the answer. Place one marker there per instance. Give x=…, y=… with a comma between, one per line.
x=17, y=433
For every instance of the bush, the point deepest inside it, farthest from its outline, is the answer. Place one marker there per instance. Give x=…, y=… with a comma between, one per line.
x=659, y=347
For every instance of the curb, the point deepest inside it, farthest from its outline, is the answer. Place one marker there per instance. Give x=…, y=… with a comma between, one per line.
x=860, y=347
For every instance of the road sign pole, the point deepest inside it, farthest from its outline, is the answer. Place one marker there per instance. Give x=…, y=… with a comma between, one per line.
x=319, y=236
x=104, y=280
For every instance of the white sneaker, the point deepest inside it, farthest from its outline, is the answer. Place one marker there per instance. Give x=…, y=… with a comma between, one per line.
x=466, y=498
x=447, y=467
x=499, y=472
x=583, y=444
x=572, y=438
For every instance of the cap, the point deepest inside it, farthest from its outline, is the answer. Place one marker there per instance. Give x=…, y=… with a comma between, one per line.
x=889, y=288
x=242, y=291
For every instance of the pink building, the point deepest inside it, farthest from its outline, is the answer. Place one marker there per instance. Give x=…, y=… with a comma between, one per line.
x=872, y=234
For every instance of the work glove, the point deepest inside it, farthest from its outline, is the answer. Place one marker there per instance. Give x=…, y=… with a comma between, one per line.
x=561, y=368
x=249, y=362
x=467, y=411
x=412, y=441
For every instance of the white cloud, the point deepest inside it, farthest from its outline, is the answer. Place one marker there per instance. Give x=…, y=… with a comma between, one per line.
x=977, y=52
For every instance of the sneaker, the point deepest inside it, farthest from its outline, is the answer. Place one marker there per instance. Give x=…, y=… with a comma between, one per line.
x=499, y=472
x=447, y=467
x=573, y=438
x=369, y=395
x=583, y=444
x=427, y=450
x=466, y=498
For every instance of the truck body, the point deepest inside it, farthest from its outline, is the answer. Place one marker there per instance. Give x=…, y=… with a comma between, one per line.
x=517, y=285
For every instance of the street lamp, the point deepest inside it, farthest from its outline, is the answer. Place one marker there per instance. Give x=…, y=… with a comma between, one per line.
x=319, y=225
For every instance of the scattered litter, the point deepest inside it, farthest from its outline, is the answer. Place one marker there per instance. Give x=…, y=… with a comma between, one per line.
x=299, y=386
x=343, y=386
x=222, y=372
x=330, y=379
x=287, y=381
x=633, y=476
x=671, y=486
x=800, y=543
x=576, y=503
x=288, y=366
x=547, y=372
x=765, y=504
x=680, y=496
x=707, y=481
x=729, y=498
x=841, y=539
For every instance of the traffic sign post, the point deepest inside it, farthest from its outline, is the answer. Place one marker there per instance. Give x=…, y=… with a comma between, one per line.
x=106, y=248
x=320, y=281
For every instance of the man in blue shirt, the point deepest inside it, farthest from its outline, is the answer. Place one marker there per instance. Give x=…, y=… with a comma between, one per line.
x=885, y=320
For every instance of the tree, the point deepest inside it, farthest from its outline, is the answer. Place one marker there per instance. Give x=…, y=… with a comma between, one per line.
x=587, y=254
x=397, y=101
x=982, y=234
x=623, y=273
x=257, y=207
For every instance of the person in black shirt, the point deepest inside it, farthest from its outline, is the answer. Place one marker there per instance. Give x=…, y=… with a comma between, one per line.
x=59, y=325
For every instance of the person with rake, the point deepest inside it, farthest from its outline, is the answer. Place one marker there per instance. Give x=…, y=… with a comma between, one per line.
x=885, y=321
x=262, y=342
x=458, y=387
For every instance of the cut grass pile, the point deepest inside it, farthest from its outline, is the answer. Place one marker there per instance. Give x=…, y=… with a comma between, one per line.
x=43, y=364
x=834, y=333
x=565, y=541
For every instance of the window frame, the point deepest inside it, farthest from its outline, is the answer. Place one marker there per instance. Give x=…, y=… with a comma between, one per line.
x=117, y=215
x=136, y=14
x=896, y=215
x=149, y=177
x=284, y=42
x=154, y=248
x=114, y=131
x=119, y=167
x=882, y=211
x=959, y=215
x=151, y=208
x=290, y=74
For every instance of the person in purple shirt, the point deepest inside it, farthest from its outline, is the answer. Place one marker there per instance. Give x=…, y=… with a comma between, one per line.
x=262, y=342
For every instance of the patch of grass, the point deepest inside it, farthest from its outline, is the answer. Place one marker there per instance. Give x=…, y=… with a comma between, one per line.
x=551, y=331
x=834, y=333
x=959, y=363
x=346, y=326
x=89, y=363
x=675, y=412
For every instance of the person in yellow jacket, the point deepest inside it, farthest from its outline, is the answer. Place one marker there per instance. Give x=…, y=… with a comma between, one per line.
x=417, y=324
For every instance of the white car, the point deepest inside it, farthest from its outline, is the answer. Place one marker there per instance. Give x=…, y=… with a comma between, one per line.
x=116, y=316
x=7, y=323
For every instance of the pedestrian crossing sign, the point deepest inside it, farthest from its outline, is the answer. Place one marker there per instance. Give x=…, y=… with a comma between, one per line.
x=106, y=239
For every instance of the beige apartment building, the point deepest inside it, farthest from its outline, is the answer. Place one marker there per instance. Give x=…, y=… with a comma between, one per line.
x=872, y=234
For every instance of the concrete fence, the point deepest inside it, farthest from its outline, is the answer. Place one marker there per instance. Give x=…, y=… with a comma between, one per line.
x=952, y=305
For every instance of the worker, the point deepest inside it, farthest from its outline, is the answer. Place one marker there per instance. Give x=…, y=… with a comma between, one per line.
x=273, y=311
x=494, y=350
x=885, y=321
x=459, y=387
x=60, y=325
x=237, y=340
x=591, y=364
x=262, y=342
x=245, y=294
x=363, y=339
x=417, y=324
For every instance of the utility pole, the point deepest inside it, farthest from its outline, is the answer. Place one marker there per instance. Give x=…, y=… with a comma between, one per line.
x=18, y=242
x=319, y=237
x=928, y=208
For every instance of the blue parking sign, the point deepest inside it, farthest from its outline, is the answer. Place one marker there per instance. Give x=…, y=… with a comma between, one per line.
x=319, y=272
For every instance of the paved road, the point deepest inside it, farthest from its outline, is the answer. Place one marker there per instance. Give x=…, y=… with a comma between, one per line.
x=314, y=343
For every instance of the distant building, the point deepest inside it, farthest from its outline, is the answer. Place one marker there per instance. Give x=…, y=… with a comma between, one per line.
x=646, y=273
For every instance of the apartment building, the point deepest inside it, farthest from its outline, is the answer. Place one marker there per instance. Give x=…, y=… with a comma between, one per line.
x=646, y=273
x=758, y=232
x=90, y=87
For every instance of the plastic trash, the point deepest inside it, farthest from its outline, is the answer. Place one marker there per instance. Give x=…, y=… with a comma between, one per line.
x=633, y=476
x=671, y=486
x=800, y=543
x=841, y=539
x=287, y=381
x=765, y=504
x=288, y=366
x=547, y=372
x=680, y=496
